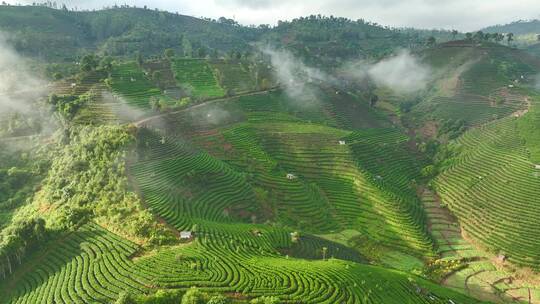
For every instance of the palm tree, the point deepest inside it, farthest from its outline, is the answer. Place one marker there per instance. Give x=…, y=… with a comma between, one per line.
x=431, y=41
x=454, y=34
x=509, y=37
x=479, y=36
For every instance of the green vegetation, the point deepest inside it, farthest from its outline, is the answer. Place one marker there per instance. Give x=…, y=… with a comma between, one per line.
x=184, y=170
x=235, y=76
x=130, y=82
x=198, y=76
x=490, y=168
x=527, y=126
x=93, y=265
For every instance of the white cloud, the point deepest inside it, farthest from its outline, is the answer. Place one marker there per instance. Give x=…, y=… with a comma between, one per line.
x=464, y=15
x=402, y=73
x=19, y=87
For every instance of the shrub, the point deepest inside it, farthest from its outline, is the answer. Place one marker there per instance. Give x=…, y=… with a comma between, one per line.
x=265, y=300
x=194, y=296
x=124, y=298
x=219, y=299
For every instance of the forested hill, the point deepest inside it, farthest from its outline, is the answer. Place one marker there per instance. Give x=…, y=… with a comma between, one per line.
x=518, y=28
x=322, y=39
x=63, y=35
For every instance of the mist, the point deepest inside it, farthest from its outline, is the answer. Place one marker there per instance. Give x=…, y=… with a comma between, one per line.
x=121, y=108
x=402, y=73
x=19, y=87
x=295, y=77
x=21, y=113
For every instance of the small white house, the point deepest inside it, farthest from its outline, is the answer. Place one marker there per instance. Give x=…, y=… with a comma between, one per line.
x=133, y=79
x=537, y=167
x=186, y=235
x=510, y=86
x=291, y=176
x=501, y=258
x=342, y=142
x=73, y=84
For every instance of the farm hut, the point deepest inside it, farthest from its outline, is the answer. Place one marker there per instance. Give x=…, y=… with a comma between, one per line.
x=341, y=142
x=133, y=79
x=186, y=235
x=291, y=176
x=510, y=85
x=73, y=84
x=537, y=167
x=501, y=258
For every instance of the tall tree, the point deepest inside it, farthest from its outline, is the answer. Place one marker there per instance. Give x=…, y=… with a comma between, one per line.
x=169, y=53
x=454, y=34
x=509, y=37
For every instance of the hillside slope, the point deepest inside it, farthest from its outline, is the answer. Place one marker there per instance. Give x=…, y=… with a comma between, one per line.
x=62, y=35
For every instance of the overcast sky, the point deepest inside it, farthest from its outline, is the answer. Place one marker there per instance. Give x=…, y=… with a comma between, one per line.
x=464, y=15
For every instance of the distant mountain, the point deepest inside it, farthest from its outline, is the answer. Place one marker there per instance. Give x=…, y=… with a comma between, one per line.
x=525, y=34
x=521, y=27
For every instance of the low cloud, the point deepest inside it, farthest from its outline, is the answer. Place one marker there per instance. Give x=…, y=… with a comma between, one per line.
x=295, y=77
x=402, y=73
x=21, y=90
x=19, y=87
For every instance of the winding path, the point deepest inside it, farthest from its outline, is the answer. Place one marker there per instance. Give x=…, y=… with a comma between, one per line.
x=209, y=102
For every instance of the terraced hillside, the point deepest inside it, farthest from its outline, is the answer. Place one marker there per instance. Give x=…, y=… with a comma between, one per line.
x=318, y=198
x=93, y=265
x=473, y=271
x=492, y=170
x=304, y=174
x=198, y=77
x=476, y=82
x=235, y=76
x=131, y=83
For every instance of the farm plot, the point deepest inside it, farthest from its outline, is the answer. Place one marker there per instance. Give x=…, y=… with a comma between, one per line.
x=490, y=169
x=130, y=82
x=196, y=75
